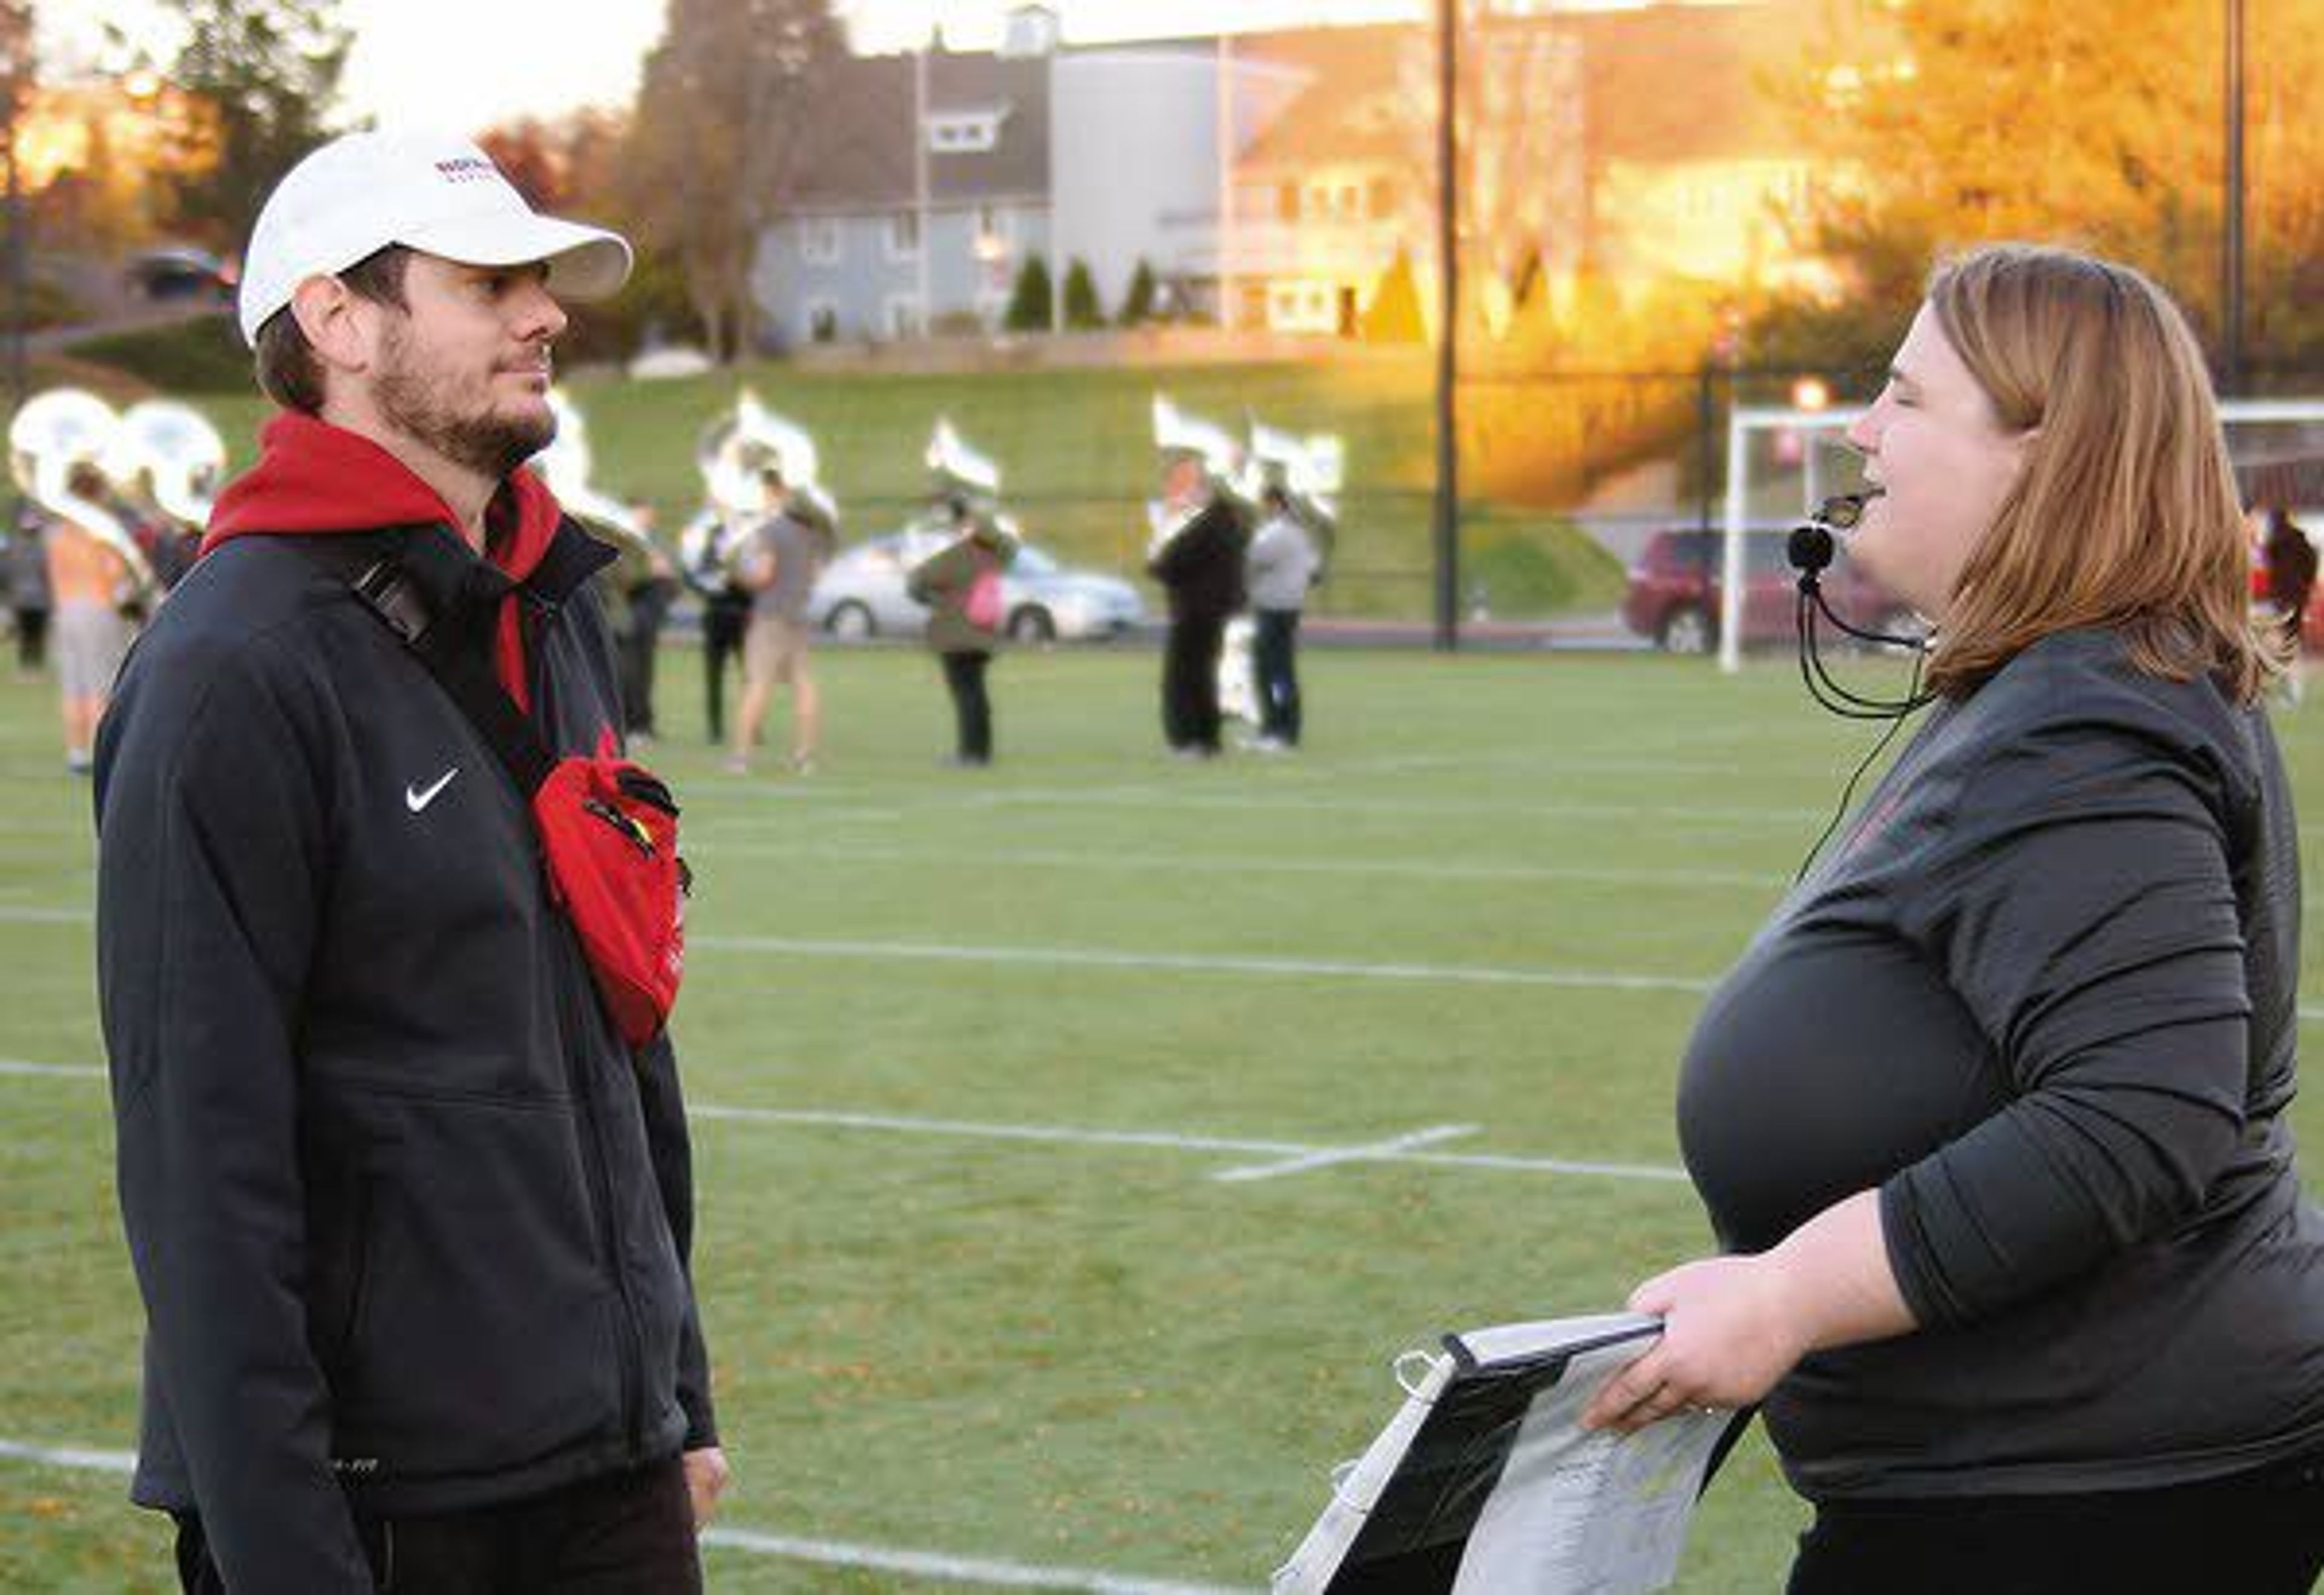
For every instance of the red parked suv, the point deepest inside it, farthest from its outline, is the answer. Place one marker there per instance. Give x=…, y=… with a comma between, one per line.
x=1675, y=593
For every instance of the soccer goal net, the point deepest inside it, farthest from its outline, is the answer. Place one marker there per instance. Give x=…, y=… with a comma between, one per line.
x=1781, y=463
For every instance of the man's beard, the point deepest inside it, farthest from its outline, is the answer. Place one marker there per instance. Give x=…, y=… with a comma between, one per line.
x=490, y=444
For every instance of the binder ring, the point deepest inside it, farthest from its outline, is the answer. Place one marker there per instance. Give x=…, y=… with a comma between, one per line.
x=1410, y=1381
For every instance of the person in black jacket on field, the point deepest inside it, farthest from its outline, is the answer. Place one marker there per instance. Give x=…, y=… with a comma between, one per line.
x=1199, y=565
x=409, y=1217
x=1990, y=1117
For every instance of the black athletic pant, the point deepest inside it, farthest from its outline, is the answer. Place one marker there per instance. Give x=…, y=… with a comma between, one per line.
x=648, y=607
x=622, y=1533
x=2258, y=1533
x=972, y=708
x=1273, y=659
x=31, y=639
x=1190, y=682
x=724, y=622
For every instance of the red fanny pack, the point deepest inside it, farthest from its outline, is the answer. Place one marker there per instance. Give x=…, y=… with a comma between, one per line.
x=609, y=834
x=608, y=828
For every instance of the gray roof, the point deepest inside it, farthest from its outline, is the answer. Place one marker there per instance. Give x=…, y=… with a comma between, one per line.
x=859, y=146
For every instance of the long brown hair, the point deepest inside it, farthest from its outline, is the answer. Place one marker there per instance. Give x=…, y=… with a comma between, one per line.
x=2125, y=514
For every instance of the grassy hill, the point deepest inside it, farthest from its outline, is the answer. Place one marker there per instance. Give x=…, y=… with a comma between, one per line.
x=1075, y=445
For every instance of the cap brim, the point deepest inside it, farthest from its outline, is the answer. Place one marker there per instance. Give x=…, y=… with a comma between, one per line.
x=583, y=263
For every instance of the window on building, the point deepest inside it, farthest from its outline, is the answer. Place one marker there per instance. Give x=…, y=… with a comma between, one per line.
x=819, y=241
x=1286, y=202
x=903, y=316
x=822, y=321
x=903, y=234
x=1383, y=199
x=964, y=133
x=1303, y=307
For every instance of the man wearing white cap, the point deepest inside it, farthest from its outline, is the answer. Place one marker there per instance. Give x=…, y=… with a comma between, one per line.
x=409, y=1210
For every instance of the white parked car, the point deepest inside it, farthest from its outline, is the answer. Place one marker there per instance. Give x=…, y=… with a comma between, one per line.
x=861, y=593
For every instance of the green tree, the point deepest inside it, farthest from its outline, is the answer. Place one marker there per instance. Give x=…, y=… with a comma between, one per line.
x=1083, y=311
x=1138, y=303
x=718, y=143
x=267, y=73
x=1394, y=315
x=1030, y=300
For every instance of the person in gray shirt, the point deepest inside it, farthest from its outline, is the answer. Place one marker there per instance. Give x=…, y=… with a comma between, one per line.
x=1283, y=565
x=1990, y=1117
x=779, y=569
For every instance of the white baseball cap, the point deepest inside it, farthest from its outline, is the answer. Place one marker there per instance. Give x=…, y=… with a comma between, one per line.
x=438, y=195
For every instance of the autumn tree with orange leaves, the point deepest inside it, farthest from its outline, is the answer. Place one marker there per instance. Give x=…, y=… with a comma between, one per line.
x=2099, y=124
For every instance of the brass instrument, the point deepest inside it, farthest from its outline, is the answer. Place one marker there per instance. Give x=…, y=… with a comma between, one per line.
x=736, y=450
x=565, y=465
x=168, y=457
x=66, y=434
x=1187, y=443
x=957, y=468
x=1310, y=471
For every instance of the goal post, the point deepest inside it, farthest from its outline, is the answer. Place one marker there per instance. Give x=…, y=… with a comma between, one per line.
x=1764, y=495
x=1782, y=462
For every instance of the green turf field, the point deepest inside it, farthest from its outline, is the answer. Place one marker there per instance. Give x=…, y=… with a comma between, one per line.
x=975, y=1284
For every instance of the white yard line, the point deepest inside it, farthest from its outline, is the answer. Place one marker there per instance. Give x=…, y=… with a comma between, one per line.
x=17, y=1067
x=895, y=1558
x=1178, y=800
x=80, y=1458
x=1302, y=1152
x=966, y=1569
x=1325, y=1157
x=1210, y=864
x=1470, y=974
x=1099, y=958
x=1280, y=1155
x=1200, y=964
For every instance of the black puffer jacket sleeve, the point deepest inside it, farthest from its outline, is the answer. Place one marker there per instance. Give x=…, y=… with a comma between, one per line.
x=662, y=1099
x=214, y=818
x=2082, y=906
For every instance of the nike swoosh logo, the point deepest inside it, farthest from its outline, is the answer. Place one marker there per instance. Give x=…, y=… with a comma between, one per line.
x=416, y=798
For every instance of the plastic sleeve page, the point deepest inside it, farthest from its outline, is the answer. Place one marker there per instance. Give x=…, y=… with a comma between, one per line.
x=1589, y=1512
x=1356, y=1490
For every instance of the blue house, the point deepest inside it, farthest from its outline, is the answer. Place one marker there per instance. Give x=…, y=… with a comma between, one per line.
x=883, y=240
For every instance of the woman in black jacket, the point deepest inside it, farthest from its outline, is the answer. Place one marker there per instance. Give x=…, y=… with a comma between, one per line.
x=1988, y=1119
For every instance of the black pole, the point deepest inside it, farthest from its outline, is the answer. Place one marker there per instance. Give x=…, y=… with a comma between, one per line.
x=2231, y=251
x=1448, y=366
x=20, y=308
x=1706, y=418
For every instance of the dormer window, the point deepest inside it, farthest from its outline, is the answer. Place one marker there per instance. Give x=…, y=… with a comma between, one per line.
x=963, y=133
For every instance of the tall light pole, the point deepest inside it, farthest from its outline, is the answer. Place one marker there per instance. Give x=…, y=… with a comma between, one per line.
x=16, y=67
x=20, y=298
x=920, y=180
x=2231, y=248
x=1448, y=336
